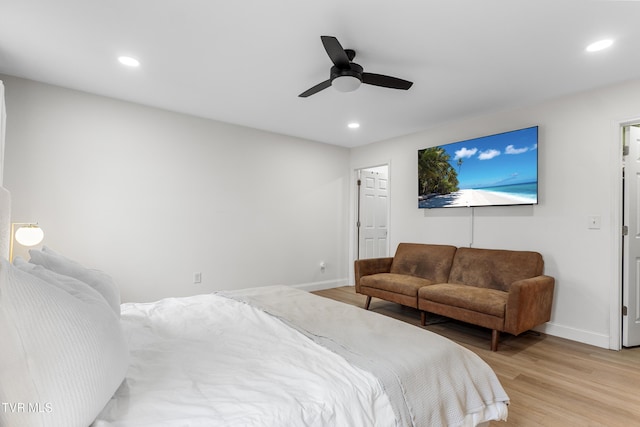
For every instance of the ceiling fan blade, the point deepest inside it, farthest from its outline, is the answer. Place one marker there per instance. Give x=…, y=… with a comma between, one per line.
x=336, y=52
x=317, y=88
x=385, y=81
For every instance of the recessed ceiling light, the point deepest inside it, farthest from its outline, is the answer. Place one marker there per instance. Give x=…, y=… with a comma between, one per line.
x=599, y=45
x=353, y=125
x=129, y=61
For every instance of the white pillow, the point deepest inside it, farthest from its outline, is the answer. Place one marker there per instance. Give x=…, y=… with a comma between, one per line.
x=68, y=284
x=61, y=358
x=97, y=279
x=22, y=264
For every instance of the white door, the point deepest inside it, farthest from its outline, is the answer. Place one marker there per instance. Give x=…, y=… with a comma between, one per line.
x=631, y=241
x=373, y=214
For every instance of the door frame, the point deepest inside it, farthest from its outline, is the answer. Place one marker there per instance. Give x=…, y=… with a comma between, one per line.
x=353, y=231
x=616, y=323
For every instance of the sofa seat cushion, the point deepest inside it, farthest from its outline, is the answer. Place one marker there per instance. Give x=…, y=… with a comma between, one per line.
x=483, y=300
x=396, y=283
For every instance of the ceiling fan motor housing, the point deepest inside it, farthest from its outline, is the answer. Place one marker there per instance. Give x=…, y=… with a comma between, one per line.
x=354, y=71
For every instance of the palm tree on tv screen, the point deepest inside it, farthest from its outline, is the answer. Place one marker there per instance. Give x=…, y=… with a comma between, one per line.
x=435, y=173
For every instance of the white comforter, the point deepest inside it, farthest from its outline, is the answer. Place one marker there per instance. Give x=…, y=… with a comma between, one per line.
x=209, y=360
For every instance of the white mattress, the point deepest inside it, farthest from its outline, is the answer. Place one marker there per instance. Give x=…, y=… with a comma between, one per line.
x=209, y=361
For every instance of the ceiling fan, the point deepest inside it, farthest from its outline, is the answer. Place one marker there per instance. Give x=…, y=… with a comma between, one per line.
x=346, y=76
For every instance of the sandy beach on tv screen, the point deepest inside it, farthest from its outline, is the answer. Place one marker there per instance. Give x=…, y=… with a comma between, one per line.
x=475, y=198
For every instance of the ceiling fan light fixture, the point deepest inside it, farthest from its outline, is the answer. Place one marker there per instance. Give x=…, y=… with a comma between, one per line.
x=346, y=83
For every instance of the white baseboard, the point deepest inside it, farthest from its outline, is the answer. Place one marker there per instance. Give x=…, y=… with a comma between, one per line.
x=575, y=334
x=319, y=286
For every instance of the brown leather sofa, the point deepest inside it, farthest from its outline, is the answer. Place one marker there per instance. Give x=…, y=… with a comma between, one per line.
x=502, y=290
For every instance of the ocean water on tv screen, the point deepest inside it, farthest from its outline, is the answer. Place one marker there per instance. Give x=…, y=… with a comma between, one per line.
x=527, y=190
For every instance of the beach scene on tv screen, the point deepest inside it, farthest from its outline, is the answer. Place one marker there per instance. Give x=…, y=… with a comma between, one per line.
x=494, y=170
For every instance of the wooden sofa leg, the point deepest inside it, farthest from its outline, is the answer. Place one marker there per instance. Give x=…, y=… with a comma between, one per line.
x=495, y=337
x=366, y=304
x=423, y=318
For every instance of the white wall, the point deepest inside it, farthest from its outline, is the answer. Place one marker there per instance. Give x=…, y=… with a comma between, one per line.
x=151, y=196
x=579, y=172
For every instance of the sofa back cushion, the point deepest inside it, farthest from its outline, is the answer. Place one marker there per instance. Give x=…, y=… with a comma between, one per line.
x=431, y=262
x=492, y=268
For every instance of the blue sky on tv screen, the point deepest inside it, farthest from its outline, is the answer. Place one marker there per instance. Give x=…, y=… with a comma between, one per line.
x=503, y=159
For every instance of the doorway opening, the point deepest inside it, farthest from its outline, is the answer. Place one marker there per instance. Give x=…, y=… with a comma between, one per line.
x=630, y=286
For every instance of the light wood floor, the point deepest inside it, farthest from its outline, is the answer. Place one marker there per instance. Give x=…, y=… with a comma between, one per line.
x=550, y=381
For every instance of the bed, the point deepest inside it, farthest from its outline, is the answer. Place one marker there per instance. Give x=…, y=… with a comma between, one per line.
x=266, y=356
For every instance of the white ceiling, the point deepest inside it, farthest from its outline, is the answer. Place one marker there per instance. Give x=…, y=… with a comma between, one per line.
x=246, y=61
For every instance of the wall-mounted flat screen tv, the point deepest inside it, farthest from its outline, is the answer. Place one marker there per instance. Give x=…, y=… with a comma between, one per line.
x=495, y=170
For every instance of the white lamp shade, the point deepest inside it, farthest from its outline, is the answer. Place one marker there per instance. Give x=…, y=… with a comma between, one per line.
x=29, y=236
x=346, y=83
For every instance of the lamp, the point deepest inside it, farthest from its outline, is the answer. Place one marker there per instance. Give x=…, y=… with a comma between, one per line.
x=27, y=234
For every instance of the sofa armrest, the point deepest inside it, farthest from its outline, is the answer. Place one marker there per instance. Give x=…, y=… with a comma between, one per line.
x=528, y=304
x=366, y=267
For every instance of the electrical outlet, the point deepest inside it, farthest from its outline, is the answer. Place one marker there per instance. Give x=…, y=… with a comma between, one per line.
x=197, y=277
x=323, y=265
